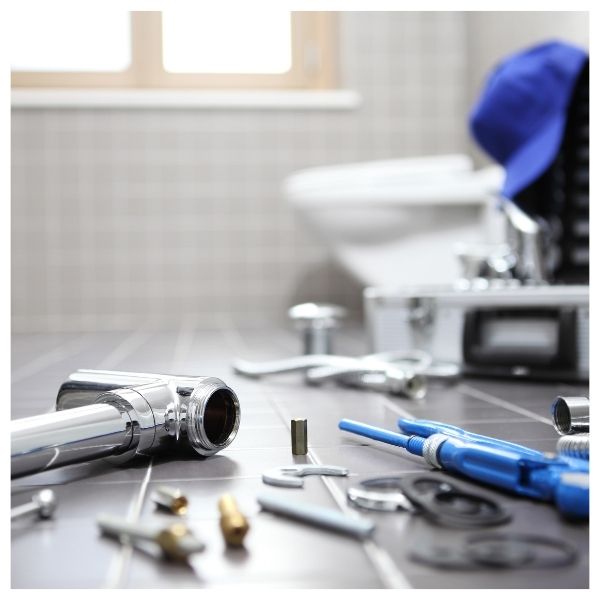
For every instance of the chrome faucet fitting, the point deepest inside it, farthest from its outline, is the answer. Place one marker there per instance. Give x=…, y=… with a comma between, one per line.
x=317, y=322
x=119, y=415
x=571, y=414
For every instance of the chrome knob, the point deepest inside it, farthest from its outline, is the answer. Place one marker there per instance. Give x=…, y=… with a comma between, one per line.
x=316, y=322
x=42, y=505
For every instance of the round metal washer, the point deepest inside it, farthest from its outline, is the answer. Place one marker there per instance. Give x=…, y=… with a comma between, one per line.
x=381, y=494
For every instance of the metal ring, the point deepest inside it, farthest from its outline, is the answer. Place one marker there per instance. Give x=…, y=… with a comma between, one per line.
x=381, y=494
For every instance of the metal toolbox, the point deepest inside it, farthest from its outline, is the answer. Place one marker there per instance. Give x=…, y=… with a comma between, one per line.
x=508, y=330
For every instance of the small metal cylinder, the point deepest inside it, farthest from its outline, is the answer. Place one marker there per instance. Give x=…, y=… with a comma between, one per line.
x=299, y=437
x=234, y=524
x=170, y=499
x=571, y=414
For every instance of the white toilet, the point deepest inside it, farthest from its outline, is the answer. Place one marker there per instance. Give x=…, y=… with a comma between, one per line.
x=397, y=222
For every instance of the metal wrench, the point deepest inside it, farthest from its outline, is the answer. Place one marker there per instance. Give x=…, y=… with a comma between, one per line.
x=292, y=476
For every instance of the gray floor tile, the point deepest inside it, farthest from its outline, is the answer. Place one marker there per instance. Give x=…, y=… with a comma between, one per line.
x=69, y=552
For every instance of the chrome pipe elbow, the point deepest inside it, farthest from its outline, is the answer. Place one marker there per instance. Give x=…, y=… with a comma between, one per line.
x=201, y=412
x=118, y=416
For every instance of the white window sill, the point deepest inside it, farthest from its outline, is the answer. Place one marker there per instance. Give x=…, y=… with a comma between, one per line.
x=213, y=99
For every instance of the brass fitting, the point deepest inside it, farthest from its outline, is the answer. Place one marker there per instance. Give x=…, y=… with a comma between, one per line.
x=170, y=499
x=234, y=524
x=177, y=542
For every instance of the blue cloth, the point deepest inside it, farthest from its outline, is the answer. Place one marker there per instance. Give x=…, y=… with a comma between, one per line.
x=521, y=114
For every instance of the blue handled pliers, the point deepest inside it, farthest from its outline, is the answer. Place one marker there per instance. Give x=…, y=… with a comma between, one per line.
x=524, y=471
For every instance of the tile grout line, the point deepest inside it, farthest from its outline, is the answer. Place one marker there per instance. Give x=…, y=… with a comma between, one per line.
x=485, y=397
x=386, y=568
x=118, y=567
x=60, y=352
x=185, y=339
x=129, y=345
x=383, y=564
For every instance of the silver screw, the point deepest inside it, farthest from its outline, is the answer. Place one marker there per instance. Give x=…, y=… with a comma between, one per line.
x=42, y=505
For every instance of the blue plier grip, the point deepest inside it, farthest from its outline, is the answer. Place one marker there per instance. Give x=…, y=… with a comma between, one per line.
x=425, y=428
x=527, y=472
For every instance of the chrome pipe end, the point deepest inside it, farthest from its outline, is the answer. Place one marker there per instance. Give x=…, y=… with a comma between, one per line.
x=571, y=414
x=212, y=417
x=407, y=384
x=416, y=386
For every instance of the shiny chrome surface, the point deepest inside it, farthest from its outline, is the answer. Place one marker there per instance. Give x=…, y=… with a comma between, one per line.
x=525, y=237
x=380, y=499
x=316, y=321
x=571, y=414
x=120, y=415
x=43, y=504
x=379, y=378
x=402, y=374
x=57, y=439
x=289, y=365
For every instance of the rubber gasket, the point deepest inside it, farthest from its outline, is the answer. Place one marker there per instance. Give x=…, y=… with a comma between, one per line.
x=487, y=549
x=446, y=503
x=498, y=551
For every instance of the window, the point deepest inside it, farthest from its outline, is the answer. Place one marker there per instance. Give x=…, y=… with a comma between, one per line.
x=210, y=48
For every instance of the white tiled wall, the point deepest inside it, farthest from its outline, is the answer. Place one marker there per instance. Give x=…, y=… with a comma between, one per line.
x=125, y=218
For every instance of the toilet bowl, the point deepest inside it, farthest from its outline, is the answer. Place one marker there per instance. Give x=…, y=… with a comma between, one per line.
x=397, y=222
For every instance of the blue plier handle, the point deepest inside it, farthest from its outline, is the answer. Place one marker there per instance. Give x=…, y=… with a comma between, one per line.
x=528, y=472
x=509, y=466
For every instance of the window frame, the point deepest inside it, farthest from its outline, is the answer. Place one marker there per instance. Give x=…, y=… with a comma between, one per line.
x=313, y=62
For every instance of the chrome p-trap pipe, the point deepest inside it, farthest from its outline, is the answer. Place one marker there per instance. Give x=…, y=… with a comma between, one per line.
x=118, y=415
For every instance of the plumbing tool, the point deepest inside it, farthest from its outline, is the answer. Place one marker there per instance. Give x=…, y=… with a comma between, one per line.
x=292, y=476
x=299, y=433
x=563, y=480
x=43, y=504
x=170, y=499
x=317, y=515
x=398, y=373
x=234, y=525
x=571, y=414
x=122, y=415
x=177, y=542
